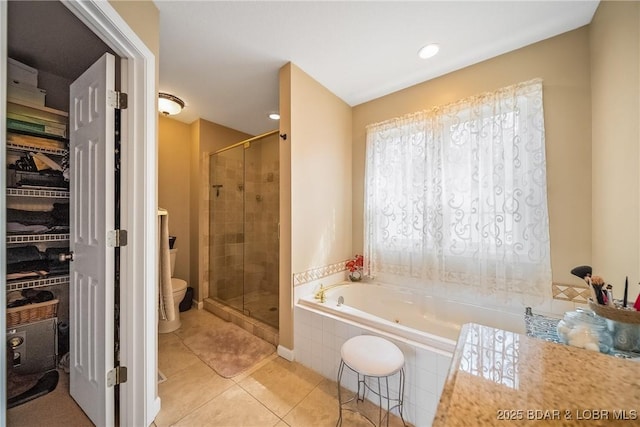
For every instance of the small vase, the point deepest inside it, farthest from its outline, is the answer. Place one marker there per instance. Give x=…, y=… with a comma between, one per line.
x=355, y=276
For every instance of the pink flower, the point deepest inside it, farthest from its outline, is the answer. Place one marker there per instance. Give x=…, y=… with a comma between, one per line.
x=355, y=264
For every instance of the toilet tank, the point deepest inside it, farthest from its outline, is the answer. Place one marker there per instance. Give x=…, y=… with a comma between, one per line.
x=172, y=256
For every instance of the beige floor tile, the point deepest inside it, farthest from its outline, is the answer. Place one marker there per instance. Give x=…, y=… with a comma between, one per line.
x=188, y=390
x=238, y=378
x=282, y=424
x=173, y=355
x=320, y=408
x=234, y=407
x=280, y=385
x=195, y=320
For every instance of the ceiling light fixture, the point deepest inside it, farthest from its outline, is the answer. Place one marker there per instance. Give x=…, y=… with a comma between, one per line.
x=428, y=51
x=274, y=116
x=169, y=104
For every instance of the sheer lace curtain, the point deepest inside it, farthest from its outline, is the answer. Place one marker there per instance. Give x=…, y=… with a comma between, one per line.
x=457, y=196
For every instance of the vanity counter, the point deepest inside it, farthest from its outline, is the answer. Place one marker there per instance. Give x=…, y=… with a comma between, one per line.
x=501, y=378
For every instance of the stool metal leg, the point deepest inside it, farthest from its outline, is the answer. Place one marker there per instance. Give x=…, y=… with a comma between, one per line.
x=362, y=385
x=401, y=396
x=364, y=389
x=340, y=369
x=386, y=380
x=380, y=403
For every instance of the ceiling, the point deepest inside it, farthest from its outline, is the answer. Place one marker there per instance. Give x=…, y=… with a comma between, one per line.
x=39, y=45
x=222, y=57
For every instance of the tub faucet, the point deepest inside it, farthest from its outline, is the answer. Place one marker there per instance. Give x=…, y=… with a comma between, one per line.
x=320, y=294
x=340, y=300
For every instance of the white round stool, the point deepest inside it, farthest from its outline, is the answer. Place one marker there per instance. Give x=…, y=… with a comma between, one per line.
x=372, y=358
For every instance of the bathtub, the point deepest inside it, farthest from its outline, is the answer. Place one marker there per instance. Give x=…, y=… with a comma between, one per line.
x=425, y=328
x=406, y=314
x=391, y=311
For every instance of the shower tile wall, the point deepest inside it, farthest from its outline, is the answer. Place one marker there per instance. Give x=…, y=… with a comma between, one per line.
x=243, y=227
x=204, y=218
x=261, y=214
x=226, y=226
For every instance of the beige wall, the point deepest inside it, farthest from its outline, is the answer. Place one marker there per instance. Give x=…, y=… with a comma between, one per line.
x=615, y=47
x=174, y=146
x=285, y=297
x=318, y=128
x=194, y=210
x=563, y=64
x=144, y=19
x=320, y=174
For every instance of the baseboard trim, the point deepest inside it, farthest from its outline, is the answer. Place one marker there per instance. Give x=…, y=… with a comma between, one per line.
x=286, y=353
x=198, y=304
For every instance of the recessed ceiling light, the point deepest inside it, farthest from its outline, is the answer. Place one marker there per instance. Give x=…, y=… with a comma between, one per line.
x=274, y=116
x=428, y=51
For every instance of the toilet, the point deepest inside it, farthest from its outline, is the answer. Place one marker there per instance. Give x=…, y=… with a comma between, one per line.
x=179, y=287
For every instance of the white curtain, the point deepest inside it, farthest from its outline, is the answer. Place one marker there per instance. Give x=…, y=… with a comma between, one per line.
x=457, y=195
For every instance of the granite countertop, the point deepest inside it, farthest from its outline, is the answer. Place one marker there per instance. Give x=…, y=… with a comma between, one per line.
x=501, y=378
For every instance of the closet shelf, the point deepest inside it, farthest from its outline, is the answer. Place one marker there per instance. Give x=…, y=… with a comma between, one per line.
x=37, y=134
x=53, y=151
x=37, y=283
x=49, y=194
x=37, y=107
x=37, y=238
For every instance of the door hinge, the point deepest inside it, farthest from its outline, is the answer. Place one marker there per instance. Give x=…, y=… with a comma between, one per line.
x=116, y=238
x=117, y=99
x=117, y=375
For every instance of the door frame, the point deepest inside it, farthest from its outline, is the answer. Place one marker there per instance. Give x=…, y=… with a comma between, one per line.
x=139, y=401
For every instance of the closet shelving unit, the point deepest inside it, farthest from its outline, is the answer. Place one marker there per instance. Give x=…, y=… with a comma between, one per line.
x=37, y=195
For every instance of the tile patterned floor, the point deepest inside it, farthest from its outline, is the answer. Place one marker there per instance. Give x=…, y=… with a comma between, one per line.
x=275, y=392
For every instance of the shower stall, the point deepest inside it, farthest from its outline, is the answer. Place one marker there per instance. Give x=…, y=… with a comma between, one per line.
x=243, y=227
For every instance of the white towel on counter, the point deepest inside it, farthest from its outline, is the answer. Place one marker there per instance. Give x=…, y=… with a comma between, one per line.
x=166, y=308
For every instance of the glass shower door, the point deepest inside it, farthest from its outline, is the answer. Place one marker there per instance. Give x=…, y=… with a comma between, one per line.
x=244, y=215
x=226, y=227
x=261, y=247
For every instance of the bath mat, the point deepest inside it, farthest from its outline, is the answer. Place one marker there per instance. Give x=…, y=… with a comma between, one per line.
x=18, y=384
x=228, y=349
x=46, y=383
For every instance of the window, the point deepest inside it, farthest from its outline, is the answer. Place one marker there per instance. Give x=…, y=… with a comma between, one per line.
x=457, y=195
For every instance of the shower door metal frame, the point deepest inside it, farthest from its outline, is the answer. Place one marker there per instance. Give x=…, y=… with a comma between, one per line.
x=246, y=144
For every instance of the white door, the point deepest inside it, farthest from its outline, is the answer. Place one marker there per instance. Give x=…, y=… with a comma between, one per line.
x=91, y=287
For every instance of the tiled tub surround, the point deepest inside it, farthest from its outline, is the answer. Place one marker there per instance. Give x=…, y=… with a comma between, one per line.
x=319, y=335
x=318, y=338
x=409, y=313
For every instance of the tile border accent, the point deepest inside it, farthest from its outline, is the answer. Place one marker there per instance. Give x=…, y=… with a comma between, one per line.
x=318, y=273
x=573, y=293
x=559, y=291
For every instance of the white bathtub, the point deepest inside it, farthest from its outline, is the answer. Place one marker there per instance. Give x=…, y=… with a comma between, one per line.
x=407, y=314
x=425, y=329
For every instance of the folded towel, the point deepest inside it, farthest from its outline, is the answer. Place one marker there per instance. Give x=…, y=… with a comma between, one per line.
x=165, y=290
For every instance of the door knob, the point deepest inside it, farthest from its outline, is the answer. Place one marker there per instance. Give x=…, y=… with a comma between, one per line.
x=65, y=257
